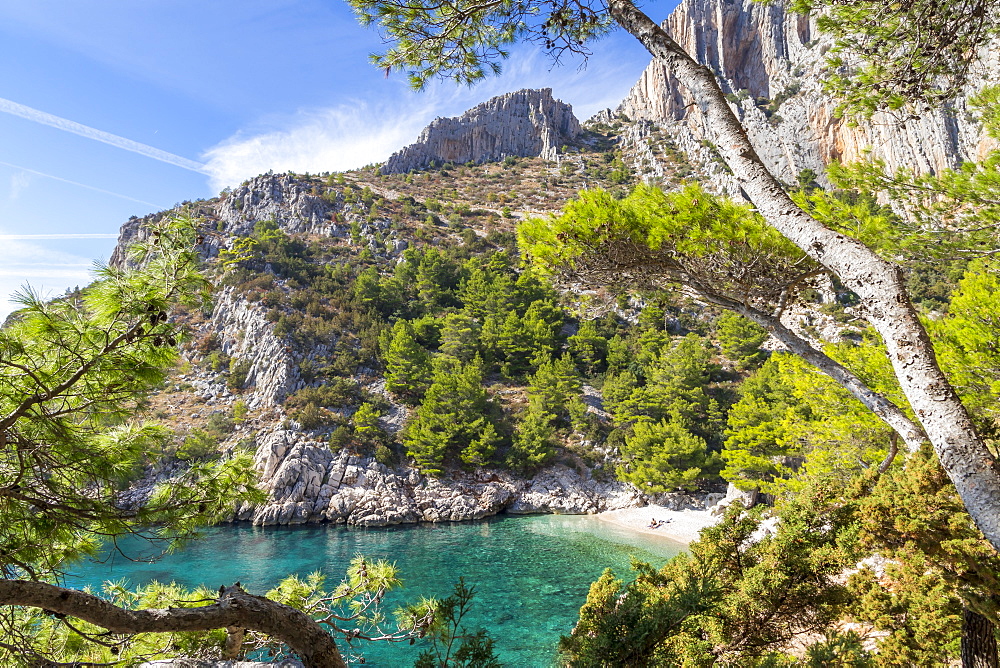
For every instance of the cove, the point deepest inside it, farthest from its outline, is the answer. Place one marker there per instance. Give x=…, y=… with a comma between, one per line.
x=531, y=573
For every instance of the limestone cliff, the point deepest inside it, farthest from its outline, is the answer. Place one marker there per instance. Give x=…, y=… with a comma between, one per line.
x=772, y=63
x=524, y=123
x=309, y=483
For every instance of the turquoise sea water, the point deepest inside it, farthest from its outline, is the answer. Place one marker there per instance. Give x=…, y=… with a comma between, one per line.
x=531, y=573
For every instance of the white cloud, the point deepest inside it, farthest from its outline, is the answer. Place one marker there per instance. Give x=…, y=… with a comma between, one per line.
x=324, y=140
x=359, y=132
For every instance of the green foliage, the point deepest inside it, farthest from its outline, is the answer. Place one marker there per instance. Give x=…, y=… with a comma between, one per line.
x=240, y=410
x=966, y=341
x=365, y=421
x=762, y=429
x=939, y=562
x=244, y=250
x=407, y=364
x=741, y=594
x=792, y=423
x=691, y=220
x=71, y=375
x=310, y=406
x=652, y=238
x=459, y=335
x=588, y=347
x=733, y=599
x=199, y=444
x=352, y=610
x=949, y=213
x=662, y=457
x=451, y=643
x=340, y=438
x=238, y=372
x=676, y=378
x=451, y=418
x=618, y=353
x=534, y=442
x=740, y=339
x=50, y=637
x=555, y=390
x=901, y=55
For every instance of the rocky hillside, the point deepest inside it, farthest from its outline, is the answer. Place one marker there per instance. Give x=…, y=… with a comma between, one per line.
x=372, y=327
x=314, y=275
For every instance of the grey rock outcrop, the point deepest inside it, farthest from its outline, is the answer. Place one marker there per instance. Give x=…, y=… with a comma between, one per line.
x=523, y=123
x=308, y=483
x=246, y=335
x=772, y=63
x=279, y=197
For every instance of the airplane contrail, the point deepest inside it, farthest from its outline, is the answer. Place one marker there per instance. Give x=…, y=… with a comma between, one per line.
x=28, y=113
x=12, y=237
x=82, y=185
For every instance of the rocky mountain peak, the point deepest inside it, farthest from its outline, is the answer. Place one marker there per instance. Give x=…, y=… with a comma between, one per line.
x=525, y=123
x=772, y=63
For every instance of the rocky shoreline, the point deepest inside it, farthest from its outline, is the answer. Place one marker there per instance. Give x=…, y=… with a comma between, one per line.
x=307, y=483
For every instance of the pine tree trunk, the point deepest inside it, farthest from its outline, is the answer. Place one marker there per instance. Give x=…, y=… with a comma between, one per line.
x=979, y=642
x=878, y=283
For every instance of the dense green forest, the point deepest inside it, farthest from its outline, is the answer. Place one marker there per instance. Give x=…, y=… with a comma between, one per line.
x=492, y=360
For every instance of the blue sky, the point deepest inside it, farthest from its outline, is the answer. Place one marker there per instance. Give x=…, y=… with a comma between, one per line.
x=114, y=108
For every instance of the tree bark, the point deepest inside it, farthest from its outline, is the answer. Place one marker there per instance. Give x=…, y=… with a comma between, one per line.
x=979, y=642
x=878, y=283
x=234, y=608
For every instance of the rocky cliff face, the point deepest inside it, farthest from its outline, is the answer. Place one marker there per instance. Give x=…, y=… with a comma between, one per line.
x=282, y=198
x=308, y=483
x=525, y=123
x=772, y=63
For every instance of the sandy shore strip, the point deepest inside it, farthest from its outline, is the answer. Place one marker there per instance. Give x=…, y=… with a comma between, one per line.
x=679, y=525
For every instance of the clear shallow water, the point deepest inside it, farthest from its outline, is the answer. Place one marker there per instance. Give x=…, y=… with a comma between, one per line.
x=531, y=573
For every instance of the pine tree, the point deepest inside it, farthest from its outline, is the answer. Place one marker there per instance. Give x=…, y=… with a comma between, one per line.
x=763, y=429
x=967, y=341
x=365, y=421
x=459, y=336
x=436, y=279
x=516, y=347
x=588, y=347
x=534, y=441
x=740, y=339
x=407, y=364
x=618, y=356
x=555, y=390
x=543, y=320
x=451, y=416
x=662, y=457
x=676, y=378
x=482, y=448
x=488, y=288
